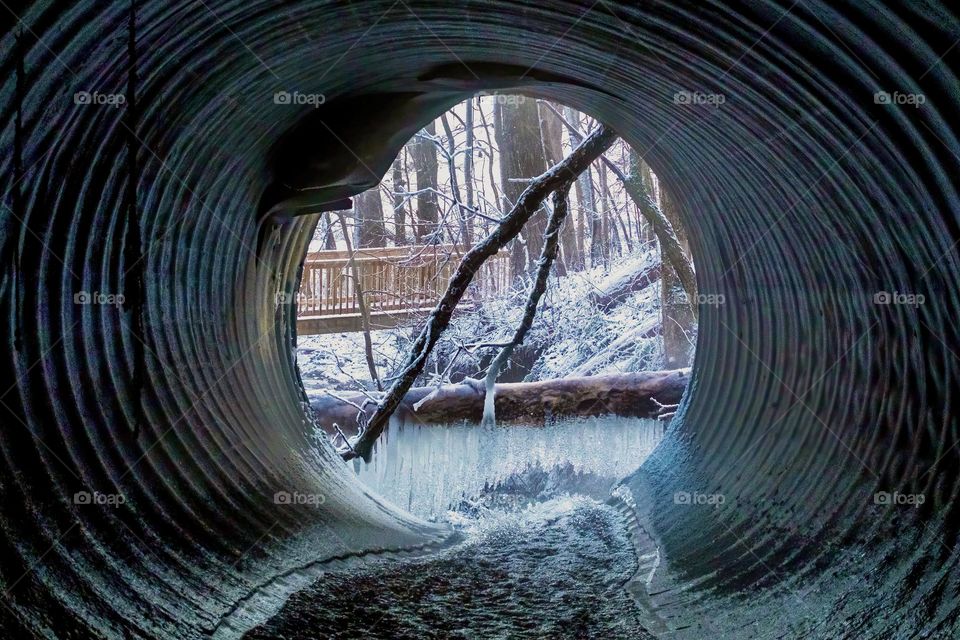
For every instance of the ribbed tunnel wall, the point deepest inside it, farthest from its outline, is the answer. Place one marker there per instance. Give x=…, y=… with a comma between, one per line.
x=804, y=198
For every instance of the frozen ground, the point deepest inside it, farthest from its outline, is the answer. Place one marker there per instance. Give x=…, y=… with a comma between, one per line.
x=554, y=570
x=543, y=555
x=337, y=360
x=570, y=332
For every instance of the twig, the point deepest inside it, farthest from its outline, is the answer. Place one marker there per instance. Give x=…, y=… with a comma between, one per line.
x=360, y=408
x=346, y=440
x=665, y=411
x=474, y=347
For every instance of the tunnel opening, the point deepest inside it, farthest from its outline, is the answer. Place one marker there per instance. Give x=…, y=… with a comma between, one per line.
x=377, y=271
x=820, y=407
x=379, y=268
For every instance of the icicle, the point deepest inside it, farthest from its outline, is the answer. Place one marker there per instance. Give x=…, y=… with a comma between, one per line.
x=430, y=469
x=490, y=382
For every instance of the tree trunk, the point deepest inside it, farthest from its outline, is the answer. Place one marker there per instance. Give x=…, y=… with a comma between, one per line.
x=621, y=217
x=425, y=165
x=454, y=183
x=361, y=301
x=468, y=172
x=551, y=130
x=646, y=179
x=676, y=306
x=596, y=223
x=329, y=242
x=521, y=158
x=611, y=239
x=368, y=216
x=399, y=203
x=498, y=198
x=584, y=194
x=621, y=394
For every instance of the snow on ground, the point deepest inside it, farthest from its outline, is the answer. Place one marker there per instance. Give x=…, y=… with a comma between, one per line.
x=554, y=570
x=337, y=360
x=541, y=555
x=572, y=334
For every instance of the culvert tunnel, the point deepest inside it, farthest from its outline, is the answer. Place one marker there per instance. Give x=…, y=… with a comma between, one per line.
x=146, y=356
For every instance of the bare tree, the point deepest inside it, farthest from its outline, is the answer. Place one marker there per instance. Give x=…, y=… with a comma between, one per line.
x=468, y=157
x=611, y=239
x=527, y=204
x=424, y=153
x=451, y=153
x=646, y=180
x=521, y=158
x=357, y=277
x=551, y=130
x=368, y=216
x=326, y=224
x=670, y=247
x=584, y=189
x=677, y=309
x=497, y=197
x=399, y=202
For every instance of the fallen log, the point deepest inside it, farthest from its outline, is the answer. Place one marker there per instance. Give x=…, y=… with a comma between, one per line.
x=608, y=355
x=621, y=394
x=616, y=292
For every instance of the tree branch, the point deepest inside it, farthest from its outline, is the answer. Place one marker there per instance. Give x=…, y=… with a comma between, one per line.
x=361, y=303
x=669, y=244
x=548, y=255
x=527, y=205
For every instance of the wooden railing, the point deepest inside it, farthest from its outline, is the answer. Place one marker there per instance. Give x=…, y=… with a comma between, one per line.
x=395, y=281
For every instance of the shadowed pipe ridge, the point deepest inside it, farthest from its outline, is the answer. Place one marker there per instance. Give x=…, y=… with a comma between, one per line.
x=804, y=198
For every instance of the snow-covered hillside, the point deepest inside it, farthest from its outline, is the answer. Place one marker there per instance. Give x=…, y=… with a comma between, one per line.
x=571, y=335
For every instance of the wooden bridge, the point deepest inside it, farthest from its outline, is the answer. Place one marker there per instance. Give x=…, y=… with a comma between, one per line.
x=398, y=284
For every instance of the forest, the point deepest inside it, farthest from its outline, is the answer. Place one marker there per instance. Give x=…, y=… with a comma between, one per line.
x=574, y=268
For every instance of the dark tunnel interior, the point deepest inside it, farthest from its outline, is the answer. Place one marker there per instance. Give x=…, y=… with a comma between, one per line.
x=139, y=140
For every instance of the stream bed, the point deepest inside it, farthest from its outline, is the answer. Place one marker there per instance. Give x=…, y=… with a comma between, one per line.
x=543, y=553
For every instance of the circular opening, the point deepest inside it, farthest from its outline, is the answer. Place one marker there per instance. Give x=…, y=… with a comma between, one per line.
x=586, y=304
x=821, y=404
